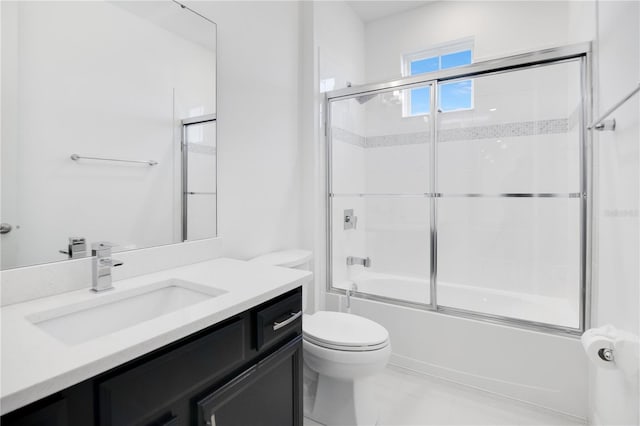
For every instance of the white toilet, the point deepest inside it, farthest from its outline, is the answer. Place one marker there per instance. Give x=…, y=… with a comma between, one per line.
x=342, y=352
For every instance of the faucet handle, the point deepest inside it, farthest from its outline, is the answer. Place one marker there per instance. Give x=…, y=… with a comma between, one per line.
x=77, y=248
x=109, y=262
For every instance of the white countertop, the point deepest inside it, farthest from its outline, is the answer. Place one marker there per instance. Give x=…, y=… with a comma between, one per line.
x=35, y=364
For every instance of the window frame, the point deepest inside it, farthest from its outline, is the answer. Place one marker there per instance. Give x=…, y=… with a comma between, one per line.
x=438, y=51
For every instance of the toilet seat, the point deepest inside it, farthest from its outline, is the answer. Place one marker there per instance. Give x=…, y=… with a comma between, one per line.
x=344, y=332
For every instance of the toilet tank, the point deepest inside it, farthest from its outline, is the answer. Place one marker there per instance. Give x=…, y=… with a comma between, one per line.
x=295, y=259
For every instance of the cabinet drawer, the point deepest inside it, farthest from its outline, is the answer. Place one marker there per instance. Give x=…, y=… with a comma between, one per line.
x=137, y=396
x=279, y=319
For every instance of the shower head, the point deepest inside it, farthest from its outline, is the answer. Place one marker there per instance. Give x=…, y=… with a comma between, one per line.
x=364, y=98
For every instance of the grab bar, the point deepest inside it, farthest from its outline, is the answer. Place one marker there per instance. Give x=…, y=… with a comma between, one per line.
x=599, y=125
x=76, y=157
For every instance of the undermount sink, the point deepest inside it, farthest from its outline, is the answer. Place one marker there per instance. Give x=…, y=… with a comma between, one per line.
x=109, y=313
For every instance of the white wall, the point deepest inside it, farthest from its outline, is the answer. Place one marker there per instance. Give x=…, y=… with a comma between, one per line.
x=339, y=41
x=614, y=396
x=499, y=29
x=258, y=125
x=339, y=36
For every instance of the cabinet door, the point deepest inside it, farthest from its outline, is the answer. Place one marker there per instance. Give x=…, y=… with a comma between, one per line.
x=267, y=394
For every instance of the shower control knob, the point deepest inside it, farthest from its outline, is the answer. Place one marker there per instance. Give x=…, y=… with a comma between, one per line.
x=5, y=228
x=350, y=221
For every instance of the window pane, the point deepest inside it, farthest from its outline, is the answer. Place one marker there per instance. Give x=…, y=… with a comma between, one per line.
x=456, y=59
x=420, y=100
x=454, y=96
x=424, y=65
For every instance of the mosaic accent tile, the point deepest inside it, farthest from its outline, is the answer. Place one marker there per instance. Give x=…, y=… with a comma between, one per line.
x=524, y=128
x=348, y=137
x=403, y=139
x=199, y=148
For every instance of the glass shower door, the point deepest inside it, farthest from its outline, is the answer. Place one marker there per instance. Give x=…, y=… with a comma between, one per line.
x=510, y=207
x=379, y=196
x=199, y=193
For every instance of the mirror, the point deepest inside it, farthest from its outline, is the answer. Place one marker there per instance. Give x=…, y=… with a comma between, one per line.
x=108, y=127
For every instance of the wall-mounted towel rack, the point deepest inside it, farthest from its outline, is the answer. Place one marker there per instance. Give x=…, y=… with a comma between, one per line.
x=600, y=124
x=76, y=157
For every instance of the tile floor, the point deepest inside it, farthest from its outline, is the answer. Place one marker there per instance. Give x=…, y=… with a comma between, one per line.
x=411, y=399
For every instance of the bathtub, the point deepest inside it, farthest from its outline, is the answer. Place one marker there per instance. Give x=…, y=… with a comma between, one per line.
x=531, y=307
x=538, y=368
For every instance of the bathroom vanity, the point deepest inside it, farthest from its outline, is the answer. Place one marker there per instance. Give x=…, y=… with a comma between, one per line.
x=235, y=359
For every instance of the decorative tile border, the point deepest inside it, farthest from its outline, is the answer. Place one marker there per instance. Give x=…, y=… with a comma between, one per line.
x=199, y=148
x=394, y=140
x=523, y=128
x=348, y=137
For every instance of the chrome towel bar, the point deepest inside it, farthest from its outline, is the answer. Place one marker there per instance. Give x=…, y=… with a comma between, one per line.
x=76, y=157
x=599, y=125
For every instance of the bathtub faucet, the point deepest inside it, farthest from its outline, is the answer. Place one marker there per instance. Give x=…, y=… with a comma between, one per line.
x=349, y=292
x=366, y=262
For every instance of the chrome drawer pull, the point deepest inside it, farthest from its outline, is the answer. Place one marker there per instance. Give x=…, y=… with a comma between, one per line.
x=294, y=316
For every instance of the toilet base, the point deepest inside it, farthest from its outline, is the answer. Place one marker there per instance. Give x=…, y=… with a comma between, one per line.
x=340, y=402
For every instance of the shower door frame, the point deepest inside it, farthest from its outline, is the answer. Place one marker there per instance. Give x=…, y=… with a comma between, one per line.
x=581, y=52
x=184, y=175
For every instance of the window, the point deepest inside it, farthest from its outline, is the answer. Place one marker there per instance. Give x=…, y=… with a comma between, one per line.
x=454, y=96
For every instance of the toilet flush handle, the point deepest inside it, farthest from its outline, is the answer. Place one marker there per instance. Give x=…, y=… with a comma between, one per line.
x=294, y=316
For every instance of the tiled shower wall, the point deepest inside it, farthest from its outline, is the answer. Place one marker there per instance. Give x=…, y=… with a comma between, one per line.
x=516, y=139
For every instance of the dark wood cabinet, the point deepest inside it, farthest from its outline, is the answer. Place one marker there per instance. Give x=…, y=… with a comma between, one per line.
x=48, y=413
x=246, y=371
x=263, y=395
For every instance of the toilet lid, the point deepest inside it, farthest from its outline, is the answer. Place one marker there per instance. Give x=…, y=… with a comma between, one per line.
x=337, y=330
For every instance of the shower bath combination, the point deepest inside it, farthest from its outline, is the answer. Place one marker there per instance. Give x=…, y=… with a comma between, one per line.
x=480, y=212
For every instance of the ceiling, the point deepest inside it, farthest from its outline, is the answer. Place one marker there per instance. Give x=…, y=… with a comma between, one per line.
x=371, y=10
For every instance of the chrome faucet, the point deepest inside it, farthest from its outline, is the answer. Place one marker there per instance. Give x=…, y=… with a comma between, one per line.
x=102, y=264
x=366, y=262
